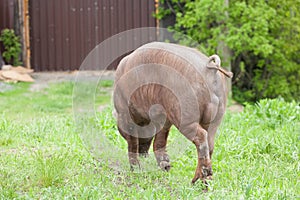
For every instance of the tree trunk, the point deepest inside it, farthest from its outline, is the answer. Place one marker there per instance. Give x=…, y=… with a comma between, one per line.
x=22, y=29
x=224, y=51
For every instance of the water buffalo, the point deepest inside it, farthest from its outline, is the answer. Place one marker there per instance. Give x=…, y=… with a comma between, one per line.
x=162, y=84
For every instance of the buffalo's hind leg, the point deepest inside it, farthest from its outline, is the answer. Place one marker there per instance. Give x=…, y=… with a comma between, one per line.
x=204, y=169
x=133, y=152
x=132, y=141
x=159, y=147
x=199, y=137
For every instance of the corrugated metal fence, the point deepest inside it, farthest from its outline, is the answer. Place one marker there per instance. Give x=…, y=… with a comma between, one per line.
x=7, y=15
x=63, y=32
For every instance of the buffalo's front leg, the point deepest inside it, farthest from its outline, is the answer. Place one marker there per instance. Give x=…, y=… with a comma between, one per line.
x=144, y=145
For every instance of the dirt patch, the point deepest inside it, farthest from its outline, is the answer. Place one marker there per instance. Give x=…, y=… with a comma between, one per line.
x=43, y=79
x=235, y=108
x=5, y=87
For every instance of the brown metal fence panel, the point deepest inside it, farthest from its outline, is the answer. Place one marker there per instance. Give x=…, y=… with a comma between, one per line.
x=63, y=32
x=7, y=8
x=7, y=15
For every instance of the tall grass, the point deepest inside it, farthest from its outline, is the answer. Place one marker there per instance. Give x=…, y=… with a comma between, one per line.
x=43, y=156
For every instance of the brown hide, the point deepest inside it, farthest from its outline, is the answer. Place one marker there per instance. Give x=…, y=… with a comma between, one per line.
x=162, y=84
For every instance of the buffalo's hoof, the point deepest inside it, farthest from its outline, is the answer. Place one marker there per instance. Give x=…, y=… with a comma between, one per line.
x=164, y=165
x=134, y=164
x=205, y=174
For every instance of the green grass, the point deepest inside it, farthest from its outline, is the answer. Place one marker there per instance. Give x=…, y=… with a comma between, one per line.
x=42, y=156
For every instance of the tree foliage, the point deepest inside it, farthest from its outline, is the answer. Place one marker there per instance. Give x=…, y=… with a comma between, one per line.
x=12, y=46
x=263, y=36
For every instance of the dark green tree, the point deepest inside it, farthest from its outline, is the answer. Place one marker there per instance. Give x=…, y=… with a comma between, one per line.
x=263, y=39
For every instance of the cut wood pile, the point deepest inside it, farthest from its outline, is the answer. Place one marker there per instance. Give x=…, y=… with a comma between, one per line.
x=9, y=73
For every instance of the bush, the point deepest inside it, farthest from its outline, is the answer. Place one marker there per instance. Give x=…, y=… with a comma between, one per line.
x=12, y=47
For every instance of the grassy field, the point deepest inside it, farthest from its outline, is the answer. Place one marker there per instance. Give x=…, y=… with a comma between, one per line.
x=43, y=156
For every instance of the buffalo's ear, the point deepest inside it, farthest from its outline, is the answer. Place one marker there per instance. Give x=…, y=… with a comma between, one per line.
x=214, y=62
x=214, y=59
